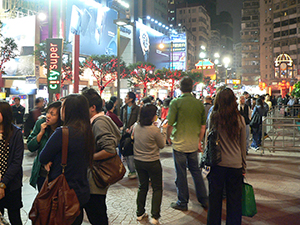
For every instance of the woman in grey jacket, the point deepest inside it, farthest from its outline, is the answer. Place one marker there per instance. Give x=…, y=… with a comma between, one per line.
x=231, y=129
x=147, y=142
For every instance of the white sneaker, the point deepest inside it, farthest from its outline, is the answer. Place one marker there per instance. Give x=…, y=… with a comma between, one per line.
x=154, y=221
x=139, y=218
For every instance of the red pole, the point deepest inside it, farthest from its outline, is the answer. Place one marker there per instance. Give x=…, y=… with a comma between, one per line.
x=76, y=63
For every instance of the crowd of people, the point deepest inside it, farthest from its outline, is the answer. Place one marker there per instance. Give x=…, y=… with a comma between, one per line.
x=96, y=133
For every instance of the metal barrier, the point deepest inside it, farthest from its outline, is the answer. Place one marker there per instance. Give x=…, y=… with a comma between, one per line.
x=284, y=111
x=283, y=134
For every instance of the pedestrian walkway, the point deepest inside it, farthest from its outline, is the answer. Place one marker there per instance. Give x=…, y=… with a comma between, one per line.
x=274, y=176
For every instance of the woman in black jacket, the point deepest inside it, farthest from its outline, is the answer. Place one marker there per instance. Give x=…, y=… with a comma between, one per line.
x=11, y=157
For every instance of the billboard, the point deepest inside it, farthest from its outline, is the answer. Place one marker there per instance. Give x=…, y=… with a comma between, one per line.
x=94, y=23
x=148, y=48
x=22, y=30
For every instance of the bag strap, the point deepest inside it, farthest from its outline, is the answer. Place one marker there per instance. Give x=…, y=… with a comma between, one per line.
x=65, y=143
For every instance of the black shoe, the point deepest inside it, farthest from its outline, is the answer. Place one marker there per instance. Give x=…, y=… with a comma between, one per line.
x=174, y=205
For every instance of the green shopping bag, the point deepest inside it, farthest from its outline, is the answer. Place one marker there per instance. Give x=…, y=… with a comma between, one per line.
x=248, y=201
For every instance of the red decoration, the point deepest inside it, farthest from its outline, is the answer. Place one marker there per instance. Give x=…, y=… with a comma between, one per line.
x=171, y=77
x=143, y=74
x=106, y=73
x=284, y=87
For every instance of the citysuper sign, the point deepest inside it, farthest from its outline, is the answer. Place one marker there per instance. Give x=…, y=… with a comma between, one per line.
x=54, y=63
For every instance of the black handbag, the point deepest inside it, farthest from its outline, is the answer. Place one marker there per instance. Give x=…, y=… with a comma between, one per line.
x=212, y=153
x=126, y=145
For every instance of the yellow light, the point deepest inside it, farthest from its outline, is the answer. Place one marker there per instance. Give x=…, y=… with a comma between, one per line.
x=161, y=45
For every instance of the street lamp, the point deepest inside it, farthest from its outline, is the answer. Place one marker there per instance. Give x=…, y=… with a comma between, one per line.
x=202, y=55
x=217, y=61
x=120, y=6
x=226, y=62
x=162, y=46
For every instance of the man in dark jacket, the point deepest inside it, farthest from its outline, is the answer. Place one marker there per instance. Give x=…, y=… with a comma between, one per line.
x=130, y=114
x=18, y=112
x=33, y=116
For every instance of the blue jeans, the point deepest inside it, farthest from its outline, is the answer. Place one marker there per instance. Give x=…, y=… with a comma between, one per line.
x=130, y=163
x=247, y=136
x=182, y=162
x=256, y=137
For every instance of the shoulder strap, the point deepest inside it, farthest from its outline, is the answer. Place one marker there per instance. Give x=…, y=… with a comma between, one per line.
x=65, y=143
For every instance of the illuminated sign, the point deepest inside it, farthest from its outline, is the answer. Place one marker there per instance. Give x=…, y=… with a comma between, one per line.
x=54, y=62
x=233, y=81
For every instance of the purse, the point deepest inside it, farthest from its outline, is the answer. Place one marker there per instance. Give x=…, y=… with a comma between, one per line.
x=248, y=201
x=212, y=153
x=56, y=203
x=108, y=171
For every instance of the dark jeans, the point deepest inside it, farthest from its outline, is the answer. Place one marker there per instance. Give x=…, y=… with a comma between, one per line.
x=182, y=162
x=232, y=178
x=146, y=170
x=256, y=137
x=79, y=218
x=40, y=182
x=96, y=210
x=14, y=216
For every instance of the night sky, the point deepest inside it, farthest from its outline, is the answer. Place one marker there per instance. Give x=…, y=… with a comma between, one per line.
x=234, y=7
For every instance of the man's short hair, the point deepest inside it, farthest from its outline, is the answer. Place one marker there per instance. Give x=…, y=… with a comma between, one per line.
x=38, y=100
x=208, y=98
x=93, y=98
x=245, y=93
x=17, y=98
x=186, y=84
x=131, y=95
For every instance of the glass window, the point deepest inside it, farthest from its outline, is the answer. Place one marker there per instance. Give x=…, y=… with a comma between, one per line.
x=293, y=31
x=284, y=4
x=285, y=23
x=276, y=24
x=284, y=33
x=277, y=34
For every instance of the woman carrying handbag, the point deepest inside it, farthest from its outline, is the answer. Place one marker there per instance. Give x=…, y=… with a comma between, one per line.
x=75, y=115
x=231, y=128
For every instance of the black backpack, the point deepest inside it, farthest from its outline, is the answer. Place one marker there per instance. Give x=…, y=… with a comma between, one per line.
x=256, y=120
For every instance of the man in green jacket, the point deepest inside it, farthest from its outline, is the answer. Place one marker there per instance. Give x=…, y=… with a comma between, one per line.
x=186, y=119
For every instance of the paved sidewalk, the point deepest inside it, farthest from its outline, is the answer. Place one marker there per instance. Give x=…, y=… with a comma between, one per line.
x=275, y=178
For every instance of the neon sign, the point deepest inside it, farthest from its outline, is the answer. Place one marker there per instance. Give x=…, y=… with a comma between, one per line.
x=54, y=63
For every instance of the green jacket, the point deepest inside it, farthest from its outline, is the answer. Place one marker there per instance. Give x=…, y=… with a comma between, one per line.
x=33, y=146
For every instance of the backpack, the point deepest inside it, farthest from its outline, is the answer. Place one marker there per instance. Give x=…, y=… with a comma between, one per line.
x=256, y=120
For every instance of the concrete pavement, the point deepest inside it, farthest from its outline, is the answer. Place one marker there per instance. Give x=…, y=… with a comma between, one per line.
x=274, y=176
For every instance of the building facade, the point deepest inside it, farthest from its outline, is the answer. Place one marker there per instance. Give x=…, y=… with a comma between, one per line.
x=250, y=42
x=197, y=20
x=286, y=33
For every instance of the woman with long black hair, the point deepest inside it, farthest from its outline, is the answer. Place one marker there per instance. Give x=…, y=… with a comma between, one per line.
x=75, y=115
x=11, y=157
x=231, y=128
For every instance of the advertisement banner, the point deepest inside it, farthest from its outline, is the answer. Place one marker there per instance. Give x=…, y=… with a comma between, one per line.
x=22, y=30
x=94, y=22
x=54, y=63
x=162, y=50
